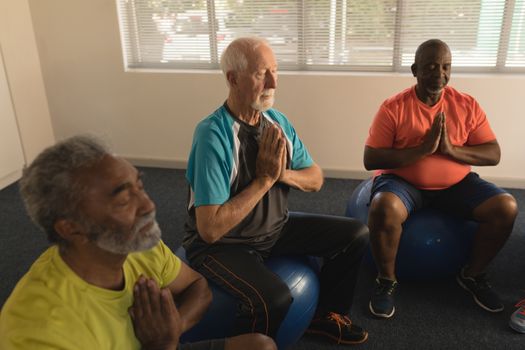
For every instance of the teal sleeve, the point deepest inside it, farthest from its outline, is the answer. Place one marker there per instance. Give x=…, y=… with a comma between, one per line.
x=209, y=165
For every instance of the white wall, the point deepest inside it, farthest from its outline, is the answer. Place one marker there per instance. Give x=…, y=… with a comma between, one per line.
x=22, y=67
x=150, y=117
x=11, y=155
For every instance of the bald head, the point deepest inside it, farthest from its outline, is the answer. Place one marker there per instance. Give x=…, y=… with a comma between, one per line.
x=432, y=44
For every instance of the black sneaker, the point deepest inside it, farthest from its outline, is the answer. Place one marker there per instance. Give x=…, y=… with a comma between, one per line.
x=338, y=328
x=382, y=300
x=481, y=290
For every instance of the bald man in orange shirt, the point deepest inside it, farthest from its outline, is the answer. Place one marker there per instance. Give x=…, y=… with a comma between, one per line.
x=422, y=144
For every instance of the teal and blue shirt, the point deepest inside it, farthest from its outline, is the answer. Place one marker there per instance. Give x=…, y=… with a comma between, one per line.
x=222, y=163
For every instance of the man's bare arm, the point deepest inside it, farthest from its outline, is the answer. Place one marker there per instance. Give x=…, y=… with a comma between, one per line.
x=307, y=180
x=214, y=221
x=192, y=295
x=488, y=153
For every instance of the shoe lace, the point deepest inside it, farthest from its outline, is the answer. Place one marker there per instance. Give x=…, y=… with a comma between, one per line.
x=482, y=281
x=341, y=321
x=386, y=288
x=520, y=304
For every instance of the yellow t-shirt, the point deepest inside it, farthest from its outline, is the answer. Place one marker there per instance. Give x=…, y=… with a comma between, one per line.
x=52, y=308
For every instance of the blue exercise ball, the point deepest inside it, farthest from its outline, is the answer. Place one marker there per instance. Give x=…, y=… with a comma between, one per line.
x=357, y=206
x=433, y=244
x=299, y=274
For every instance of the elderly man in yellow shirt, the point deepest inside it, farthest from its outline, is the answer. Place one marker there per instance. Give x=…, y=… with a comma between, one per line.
x=108, y=281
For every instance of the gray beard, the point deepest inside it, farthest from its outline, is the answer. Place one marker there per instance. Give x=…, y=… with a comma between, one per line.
x=115, y=241
x=111, y=242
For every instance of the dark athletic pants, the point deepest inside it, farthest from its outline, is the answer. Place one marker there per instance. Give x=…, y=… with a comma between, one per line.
x=264, y=298
x=214, y=344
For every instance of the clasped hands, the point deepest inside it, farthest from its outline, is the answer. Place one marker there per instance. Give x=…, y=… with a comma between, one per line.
x=155, y=317
x=271, y=158
x=437, y=139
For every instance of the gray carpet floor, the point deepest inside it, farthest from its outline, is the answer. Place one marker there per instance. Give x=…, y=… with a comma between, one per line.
x=429, y=315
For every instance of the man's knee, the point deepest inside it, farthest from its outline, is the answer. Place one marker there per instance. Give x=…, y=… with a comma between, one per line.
x=262, y=342
x=500, y=210
x=507, y=208
x=252, y=341
x=278, y=302
x=269, y=307
x=386, y=211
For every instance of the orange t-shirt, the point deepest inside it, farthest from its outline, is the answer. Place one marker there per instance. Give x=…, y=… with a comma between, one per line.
x=403, y=121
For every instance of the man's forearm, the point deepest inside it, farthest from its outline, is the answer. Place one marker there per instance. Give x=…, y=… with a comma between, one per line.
x=307, y=180
x=479, y=155
x=193, y=303
x=391, y=158
x=214, y=221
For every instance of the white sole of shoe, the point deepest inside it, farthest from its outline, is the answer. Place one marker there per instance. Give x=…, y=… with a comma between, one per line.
x=476, y=299
x=517, y=328
x=379, y=314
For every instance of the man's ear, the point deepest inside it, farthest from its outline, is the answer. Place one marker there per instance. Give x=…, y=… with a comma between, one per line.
x=232, y=78
x=413, y=68
x=69, y=230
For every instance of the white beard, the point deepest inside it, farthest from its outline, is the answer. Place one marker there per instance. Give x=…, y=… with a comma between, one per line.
x=264, y=104
x=117, y=242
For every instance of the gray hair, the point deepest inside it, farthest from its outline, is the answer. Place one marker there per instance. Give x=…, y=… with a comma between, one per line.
x=234, y=56
x=49, y=186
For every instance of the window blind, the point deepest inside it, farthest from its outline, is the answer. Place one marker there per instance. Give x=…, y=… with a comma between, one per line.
x=516, y=46
x=349, y=35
